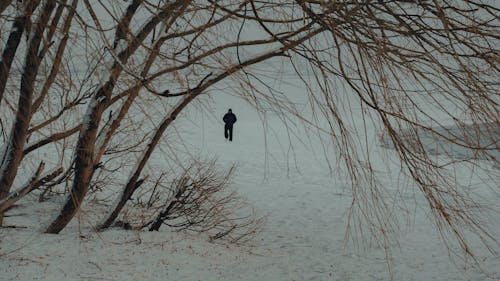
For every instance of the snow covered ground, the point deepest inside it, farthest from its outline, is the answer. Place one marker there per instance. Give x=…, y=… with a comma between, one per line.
x=303, y=239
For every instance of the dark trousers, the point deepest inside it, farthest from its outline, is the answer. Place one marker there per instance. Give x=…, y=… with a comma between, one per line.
x=228, y=131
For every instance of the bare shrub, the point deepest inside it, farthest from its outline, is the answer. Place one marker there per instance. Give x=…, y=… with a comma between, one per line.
x=201, y=200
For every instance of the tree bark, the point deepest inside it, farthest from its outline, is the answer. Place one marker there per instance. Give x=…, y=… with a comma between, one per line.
x=15, y=145
x=10, y=50
x=4, y=4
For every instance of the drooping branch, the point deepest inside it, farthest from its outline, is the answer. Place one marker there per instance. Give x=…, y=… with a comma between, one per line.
x=188, y=96
x=402, y=61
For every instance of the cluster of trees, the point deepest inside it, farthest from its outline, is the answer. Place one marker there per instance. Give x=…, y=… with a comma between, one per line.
x=76, y=75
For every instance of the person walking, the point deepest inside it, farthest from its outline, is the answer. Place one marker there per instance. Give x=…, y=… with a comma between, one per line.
x=229, y=120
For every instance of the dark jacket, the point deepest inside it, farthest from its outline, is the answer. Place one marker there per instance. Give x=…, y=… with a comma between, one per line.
x=229, y=118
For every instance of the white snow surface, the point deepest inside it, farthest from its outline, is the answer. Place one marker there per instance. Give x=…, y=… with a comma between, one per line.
x=303, y=239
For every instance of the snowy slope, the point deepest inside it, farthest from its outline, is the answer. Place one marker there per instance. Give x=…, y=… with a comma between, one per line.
x=304, y=237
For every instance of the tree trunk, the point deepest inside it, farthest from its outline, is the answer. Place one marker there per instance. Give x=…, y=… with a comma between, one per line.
x=14, y=152
x=4, y=4
x=85, y=149
x=10, y=51
x=83, y=161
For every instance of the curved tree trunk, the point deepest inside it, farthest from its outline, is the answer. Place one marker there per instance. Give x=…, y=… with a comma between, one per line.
x=85, y=149
x=10, y=49
x=4, y=4
x=15, y=145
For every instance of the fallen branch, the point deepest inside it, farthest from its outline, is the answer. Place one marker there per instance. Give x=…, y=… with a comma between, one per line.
x=33, y=184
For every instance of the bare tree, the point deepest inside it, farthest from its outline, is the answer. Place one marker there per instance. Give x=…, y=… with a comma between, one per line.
x=14, y=149
x=404, y=63
x=200, y=200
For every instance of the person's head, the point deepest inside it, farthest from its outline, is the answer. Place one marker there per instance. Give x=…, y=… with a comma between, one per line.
x=229, y=110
